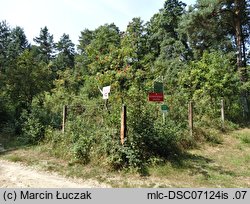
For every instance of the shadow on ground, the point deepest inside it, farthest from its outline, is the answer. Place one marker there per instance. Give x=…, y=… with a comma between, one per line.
x=198, y=164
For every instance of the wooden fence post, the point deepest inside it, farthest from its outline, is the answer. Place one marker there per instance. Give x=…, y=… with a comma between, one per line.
x=64, y=118
x=223, y=114
x=123, y=124
x=190, y=117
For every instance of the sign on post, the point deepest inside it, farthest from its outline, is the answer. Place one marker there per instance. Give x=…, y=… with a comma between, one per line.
x=106, y=89
x=105, y=92
x=158, y=87
x=105, y=96
x=164, y=108
x=158, y=97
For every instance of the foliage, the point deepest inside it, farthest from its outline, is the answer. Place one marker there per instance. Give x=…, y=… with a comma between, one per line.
x=213, y=75
x=45, y=45
x=66, y=56
x=193, y=52
x=27, y=78
x=32, y=129
x=209, y=80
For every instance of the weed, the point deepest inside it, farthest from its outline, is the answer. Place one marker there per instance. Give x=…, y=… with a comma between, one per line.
x=245, y=139
x=16, y=158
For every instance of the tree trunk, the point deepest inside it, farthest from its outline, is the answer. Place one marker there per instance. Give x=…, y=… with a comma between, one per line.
x=240, y=43
x=239, y=38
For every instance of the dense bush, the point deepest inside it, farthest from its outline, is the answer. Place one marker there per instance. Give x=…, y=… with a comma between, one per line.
x=32, y=128
x=93, y=132
x=194, y=59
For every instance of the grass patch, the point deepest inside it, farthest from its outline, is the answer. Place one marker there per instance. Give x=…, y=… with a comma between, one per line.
x=245, y=139
x=243, y=135
x=207, y=135
x=226, y=164
x=15, y=158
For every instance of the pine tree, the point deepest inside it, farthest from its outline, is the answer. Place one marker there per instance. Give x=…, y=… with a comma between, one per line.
x=18, y=43
x=167, y=43
x=221, y=25
x=5, y=33
x=163, y=29
x=45, y=44
x=84, y=40
x=66, y=53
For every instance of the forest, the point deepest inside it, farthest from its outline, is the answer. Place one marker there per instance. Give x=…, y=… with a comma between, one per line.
x=200, y=53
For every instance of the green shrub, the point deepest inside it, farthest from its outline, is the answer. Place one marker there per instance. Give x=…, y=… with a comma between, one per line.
x=119, y=157
x=82, y=136
x=147, y=137
x=32, y=129
x=81, y=150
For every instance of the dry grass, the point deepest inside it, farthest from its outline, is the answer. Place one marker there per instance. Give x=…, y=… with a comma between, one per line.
x=221, y=165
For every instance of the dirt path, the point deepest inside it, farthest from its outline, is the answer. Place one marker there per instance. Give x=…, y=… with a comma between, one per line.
x=14, y=175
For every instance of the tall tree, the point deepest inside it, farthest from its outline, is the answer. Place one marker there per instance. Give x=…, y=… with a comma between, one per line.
x=82, y=59
x=132, y=53
x=5, y=32
x=13, y=42
x=27, y=78
x=103, y=48
x=4, y=38
x=66, y=53
x=84, y=40
x=4, y=41
x=242, y=31
x=134, y=41
x=228, y=22
x=46, y=44
x=241, y=24
x=167, y=43
x=18, y=43
x=205, y=30
x=163, y=28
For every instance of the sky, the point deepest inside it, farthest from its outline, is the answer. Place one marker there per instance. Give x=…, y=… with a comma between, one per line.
x=73, y=16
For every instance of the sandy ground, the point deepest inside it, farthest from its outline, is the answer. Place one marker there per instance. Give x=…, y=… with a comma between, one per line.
x=15, y=175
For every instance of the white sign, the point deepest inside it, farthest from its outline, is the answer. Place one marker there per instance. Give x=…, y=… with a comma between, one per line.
x=106, y=89
x=105, y=96
x=105, y=92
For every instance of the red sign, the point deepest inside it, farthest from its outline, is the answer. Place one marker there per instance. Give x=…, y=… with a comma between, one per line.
x=155, y=97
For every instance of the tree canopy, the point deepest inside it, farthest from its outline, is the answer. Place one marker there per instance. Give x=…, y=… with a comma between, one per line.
x=199, y=53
